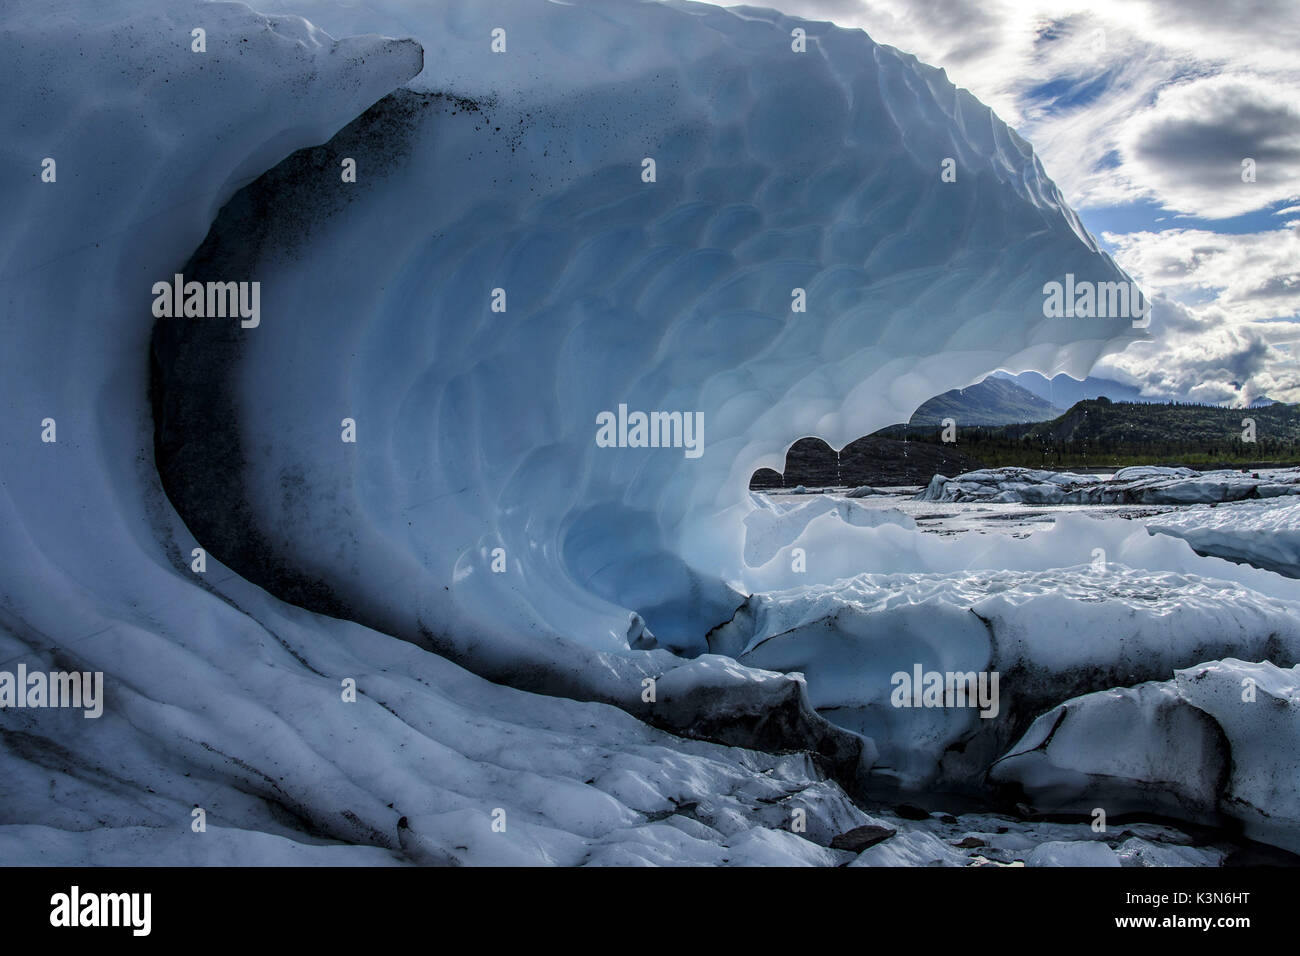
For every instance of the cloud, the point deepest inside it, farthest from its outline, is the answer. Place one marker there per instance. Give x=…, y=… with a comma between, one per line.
x=1249, y=277
x=1189, y=147
x=1198, y=357
x=1233, y=336
x=1122, y=99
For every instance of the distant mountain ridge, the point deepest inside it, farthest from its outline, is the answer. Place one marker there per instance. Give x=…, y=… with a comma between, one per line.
x=1000, y=423
x=1099, y=432
x=1102, y=421
x=1064, y=391
x=994, y=401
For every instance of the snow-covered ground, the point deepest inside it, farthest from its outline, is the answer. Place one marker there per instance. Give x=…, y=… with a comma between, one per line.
x=563, y=709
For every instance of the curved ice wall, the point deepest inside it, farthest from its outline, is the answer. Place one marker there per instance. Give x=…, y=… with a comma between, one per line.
x=524, y=169
x=218, y=695
x=119, y=146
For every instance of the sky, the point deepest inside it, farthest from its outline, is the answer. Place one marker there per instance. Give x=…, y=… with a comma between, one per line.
x=1142, y=112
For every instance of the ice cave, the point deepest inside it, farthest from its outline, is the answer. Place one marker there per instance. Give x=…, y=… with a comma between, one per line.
x=392, y=483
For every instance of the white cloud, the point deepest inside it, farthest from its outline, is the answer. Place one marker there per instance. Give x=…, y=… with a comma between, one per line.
x=1238, y=341
x=1192, y=357
x=1189, y=147
x=1251, y=277
x=1176, y=95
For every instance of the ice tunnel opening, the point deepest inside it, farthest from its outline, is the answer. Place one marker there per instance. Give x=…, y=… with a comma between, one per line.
x=675, y=298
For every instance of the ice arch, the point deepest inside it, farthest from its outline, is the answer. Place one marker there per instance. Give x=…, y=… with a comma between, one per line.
x=522, y=171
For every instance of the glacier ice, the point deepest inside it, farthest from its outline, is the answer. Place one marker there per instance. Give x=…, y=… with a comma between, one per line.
x=1126, y=749
x=522, y=172
x=1048, y=634
x=148, y=141
x=477, y=428
x=836, y=550
x=1265, y=534
x=1218, y=740
x=774, y=524
x=1255, y=704
x=1144, y=484
x=1072, y=853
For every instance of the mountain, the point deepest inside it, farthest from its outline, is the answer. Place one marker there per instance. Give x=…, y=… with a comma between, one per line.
x=1099, y=432
x=1101, y=421
x=994, y=401
x=1064, y=391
